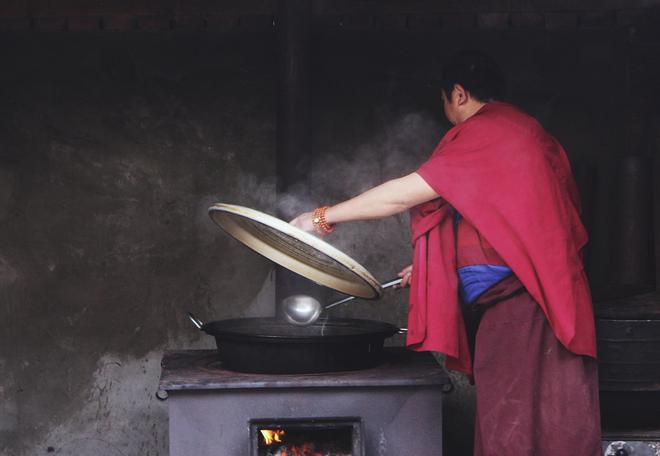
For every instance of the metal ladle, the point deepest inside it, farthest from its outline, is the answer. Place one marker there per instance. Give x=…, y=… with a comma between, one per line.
x=304, y=310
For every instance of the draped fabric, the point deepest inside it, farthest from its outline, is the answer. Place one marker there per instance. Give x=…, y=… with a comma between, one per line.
x=512, y=181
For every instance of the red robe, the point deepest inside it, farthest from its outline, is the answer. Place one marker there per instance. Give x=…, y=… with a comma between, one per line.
x=512, y=181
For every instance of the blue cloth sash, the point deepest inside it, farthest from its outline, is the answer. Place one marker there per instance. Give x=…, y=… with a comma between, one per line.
x=476, y=279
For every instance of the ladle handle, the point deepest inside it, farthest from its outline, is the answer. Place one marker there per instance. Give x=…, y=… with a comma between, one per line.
x=389, y=283
x=341, y=301
x=392, y=282
x=196, y=321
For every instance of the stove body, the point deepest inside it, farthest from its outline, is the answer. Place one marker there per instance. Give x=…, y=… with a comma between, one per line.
x=629, y=369
x=392, y=409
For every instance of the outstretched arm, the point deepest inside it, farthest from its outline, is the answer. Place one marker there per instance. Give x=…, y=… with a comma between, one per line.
x=389, y=198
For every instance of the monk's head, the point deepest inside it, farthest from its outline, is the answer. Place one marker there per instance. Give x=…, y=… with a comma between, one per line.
x=469, y=80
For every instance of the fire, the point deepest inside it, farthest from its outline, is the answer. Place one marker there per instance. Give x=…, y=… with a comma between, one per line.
x=271, y=435
x=306, y=449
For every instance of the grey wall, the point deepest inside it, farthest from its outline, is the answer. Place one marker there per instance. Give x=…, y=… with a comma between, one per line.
x=112, y=148
x=112, y=145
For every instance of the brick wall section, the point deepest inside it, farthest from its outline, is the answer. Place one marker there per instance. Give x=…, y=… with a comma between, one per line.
x=49, y=23
x=526, y=20
x=498, y=21
x=391, y=21
x=84, y=23
x=221, y=21
x=15, y=23
x=627, y=18
x=118, y=23
x=597, y=19
x=424, y=22
x=154, y=22
x=259, y=15
x=189, y=22
x=561, y=20
x=474, y=6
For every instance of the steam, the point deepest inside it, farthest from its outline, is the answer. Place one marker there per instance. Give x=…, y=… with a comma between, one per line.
x=397, y=150
x=339, y=172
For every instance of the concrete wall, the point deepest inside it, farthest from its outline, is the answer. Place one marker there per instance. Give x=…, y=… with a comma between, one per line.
x=113, y=142
x=112, y=149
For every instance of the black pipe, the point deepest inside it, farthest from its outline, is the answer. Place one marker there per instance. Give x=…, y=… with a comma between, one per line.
x=293, y=122
x=294, y=152
x=655, y=154
x=633, y=248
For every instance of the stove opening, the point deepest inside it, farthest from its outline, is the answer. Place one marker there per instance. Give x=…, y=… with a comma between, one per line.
x=306, y=437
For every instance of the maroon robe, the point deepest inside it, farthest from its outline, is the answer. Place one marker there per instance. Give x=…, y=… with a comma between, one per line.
x=534, y=358
x=534, y=397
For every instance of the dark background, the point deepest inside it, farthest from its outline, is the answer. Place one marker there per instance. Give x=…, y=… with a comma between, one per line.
x=121, y=122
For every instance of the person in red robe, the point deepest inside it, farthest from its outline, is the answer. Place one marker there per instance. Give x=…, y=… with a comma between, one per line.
x=497, y=244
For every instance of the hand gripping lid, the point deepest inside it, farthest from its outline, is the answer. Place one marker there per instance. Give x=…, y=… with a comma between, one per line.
x=296, y=250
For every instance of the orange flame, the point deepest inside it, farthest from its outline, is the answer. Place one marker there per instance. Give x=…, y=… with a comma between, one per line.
x=271, y=435
x=306, y=449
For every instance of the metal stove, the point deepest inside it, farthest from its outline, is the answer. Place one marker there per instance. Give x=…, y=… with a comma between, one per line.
x=392, y=409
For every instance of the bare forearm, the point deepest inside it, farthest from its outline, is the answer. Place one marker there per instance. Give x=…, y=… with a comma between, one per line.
x=387, y=199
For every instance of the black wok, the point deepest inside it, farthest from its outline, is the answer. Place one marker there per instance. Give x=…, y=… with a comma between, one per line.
x=273, y=346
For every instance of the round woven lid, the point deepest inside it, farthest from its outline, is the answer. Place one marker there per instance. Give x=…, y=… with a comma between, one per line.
x=296, y=250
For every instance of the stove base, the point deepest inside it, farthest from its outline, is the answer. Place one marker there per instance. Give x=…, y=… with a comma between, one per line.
x=395, y=421
x=396, y=407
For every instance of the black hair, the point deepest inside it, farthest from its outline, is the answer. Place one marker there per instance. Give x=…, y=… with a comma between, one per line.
x=477, y=72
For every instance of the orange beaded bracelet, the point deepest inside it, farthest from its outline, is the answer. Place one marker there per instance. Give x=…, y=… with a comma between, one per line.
x=321, y=226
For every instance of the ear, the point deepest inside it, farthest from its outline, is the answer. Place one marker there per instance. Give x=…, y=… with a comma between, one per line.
x=460, y=95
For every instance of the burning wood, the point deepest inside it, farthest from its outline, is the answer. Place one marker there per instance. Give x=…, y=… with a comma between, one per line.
x=306, y=449
x=317, y=440
x=274, y=438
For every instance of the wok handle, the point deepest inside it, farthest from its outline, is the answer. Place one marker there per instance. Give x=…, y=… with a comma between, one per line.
x=196, y=321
